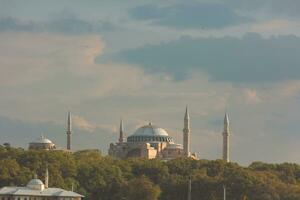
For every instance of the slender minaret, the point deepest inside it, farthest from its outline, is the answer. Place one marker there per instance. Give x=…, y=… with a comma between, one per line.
x=121, y=136
x=226, y=134
x=69, y=131
x=186, y=134
x=47, y=178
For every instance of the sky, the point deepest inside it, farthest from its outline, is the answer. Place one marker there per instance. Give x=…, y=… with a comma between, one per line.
x=144, y=61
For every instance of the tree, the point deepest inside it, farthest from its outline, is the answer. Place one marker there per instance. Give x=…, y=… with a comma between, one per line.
x=142, y=188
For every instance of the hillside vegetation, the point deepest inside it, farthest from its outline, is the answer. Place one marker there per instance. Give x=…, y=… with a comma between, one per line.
x=104, y=178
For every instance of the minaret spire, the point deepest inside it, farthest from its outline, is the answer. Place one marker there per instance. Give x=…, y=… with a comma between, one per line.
x=226, y=134
x=186, y=133
x=121, y=136
x=69, y=131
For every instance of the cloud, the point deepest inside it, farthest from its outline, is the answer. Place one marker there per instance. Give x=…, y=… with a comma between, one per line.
x=66, y=23
x=42, y=68
x=11, y=24
x=251, y=58
x=85, y=125
x=272, y=25
x=251, y=96
x=189, y=15
x=35, y=58
x=289, y=88
x=82, y=123
x=288, y=8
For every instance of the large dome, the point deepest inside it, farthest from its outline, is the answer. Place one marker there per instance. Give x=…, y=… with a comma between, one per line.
x=150, y=133
x=150, y=130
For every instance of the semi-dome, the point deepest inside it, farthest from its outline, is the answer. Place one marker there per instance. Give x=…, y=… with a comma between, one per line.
x=150, y=133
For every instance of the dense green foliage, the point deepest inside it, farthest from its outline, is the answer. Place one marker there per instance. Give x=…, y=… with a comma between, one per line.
x=104, y=178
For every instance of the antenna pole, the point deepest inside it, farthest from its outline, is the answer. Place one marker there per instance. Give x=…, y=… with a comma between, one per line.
x=189, y=197
x=224, y=192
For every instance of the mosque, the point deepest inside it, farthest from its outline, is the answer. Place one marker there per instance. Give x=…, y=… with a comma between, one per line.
x=150, y=141
x=44, y=143
x=37, y=190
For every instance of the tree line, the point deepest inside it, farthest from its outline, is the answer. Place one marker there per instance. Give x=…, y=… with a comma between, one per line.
x=100, y=177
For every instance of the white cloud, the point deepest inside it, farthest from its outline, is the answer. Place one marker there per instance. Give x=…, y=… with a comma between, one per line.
x=82, y=123
x=272, y=25
x=86, y=125
x=251, y=97
x=289, y=88
x=44, y=69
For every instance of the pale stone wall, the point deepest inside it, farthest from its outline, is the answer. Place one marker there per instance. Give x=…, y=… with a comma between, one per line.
x=147, y=151
x=172, y=153
x=144, y=150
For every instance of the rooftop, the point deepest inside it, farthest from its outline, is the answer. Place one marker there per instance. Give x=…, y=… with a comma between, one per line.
x=26, y=191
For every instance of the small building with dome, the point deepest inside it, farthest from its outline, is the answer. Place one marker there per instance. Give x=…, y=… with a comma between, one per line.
x=150, y=141
x=42, y=143
x=37, y=190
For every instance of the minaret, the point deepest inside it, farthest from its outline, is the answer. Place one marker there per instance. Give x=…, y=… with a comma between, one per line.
x=121, y=136
x=47, y=178
x=69, y=131
x=186, y=134
x=226, y=134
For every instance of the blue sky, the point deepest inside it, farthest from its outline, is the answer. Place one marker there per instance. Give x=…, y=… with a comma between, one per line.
x=144, y=61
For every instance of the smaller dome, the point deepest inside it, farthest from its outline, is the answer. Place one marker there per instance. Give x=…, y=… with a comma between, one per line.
x=43, y=140
x=36, y=184
x=35, y=181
